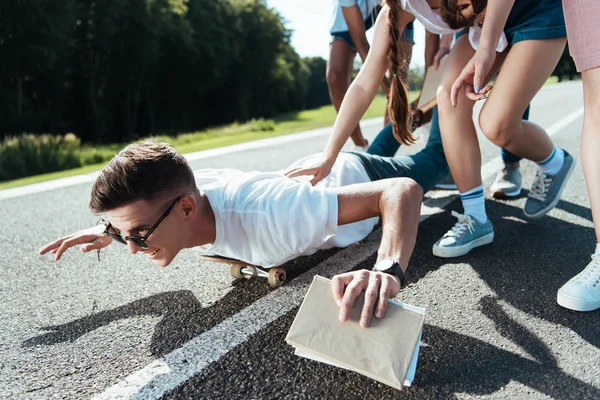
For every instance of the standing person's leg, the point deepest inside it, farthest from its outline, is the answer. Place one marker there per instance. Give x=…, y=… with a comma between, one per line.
x=527, y=66
x=461, y=148
x=339, y=73
x=446, y=183
x=582, y=292
x=508, y=180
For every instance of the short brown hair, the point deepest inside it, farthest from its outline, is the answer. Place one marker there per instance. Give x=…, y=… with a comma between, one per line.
x=143, y=170
x=454, y=18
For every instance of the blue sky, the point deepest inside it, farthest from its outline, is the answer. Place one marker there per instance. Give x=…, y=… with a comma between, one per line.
x=310, y=20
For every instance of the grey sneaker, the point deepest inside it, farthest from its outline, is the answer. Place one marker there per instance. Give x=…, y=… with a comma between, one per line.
x=447, y=183
x=582, y=292
x=508, y=182
x=546, y=190
x=464, y=236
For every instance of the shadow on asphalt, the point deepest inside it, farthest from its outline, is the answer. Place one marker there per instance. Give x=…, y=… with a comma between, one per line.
x=449, y=364
x=525, y=266
x=527, y=262
x=183, y=317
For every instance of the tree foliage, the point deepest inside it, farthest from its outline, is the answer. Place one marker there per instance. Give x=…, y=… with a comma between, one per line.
x=114, y=70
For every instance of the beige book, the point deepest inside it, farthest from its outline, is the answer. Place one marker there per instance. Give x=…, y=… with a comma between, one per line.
x=433, y=79
x=383, y=352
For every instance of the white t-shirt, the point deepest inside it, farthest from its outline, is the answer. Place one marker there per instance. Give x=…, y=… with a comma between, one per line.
x=267, y=219
x=434, y=23
x=338, y=23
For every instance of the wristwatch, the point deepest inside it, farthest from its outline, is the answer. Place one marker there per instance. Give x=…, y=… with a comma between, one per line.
x=390, y=266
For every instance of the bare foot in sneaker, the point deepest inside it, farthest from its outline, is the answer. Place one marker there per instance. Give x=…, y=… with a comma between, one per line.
x=507, y=182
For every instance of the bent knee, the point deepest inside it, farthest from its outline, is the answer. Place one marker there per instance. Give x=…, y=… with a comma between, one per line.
x=443, y=97
x=409, y=188
x=337, y=76
x=499, y=129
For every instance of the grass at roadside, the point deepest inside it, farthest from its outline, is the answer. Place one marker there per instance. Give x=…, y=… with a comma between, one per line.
x=219, y=137
x=216, y=137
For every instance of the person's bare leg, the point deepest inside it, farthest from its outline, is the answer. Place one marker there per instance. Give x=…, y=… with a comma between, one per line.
x=525, y=70
x=582, y=293
x=339, y=73
x=461, y=148
x=459, y=136
x=527, y=66
x=590, y=141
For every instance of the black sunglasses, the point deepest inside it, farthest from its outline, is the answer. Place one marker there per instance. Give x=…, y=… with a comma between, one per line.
x=140, y=241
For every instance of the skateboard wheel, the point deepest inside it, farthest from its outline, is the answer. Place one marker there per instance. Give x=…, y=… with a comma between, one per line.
x=236, y=271
x=277, y=277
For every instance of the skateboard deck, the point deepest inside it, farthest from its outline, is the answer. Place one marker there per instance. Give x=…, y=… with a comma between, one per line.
x=276, y=276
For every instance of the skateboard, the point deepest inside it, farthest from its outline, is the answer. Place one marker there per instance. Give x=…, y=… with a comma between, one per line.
x=276, y=276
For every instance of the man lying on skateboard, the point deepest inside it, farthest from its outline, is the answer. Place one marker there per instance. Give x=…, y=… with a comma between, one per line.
x=156, y=205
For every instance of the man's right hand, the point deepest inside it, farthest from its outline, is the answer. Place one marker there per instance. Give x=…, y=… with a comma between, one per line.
x=319, y=171
x=89, y=239
x=378, y=287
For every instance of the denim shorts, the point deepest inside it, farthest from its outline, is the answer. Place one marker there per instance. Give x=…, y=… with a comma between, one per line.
x=408, y=35
x=533, y=20
x=427, y=167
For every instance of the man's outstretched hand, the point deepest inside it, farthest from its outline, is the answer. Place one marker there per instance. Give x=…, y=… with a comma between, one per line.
x=89, y=239
x=379, y=287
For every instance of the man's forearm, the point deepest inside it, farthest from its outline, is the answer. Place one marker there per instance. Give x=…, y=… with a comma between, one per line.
x=397, y=201
x=400, y=206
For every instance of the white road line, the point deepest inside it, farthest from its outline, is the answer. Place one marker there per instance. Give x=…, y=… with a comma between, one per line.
x=199, y=155
x=167, y=373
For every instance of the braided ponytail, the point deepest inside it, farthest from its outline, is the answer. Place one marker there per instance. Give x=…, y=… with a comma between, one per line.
x=398, y=106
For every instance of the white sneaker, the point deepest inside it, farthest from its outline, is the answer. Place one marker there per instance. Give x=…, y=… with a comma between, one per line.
x=582, y=292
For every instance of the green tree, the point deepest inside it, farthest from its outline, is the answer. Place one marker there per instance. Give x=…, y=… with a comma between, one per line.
x=317, y=92
x=34, y=36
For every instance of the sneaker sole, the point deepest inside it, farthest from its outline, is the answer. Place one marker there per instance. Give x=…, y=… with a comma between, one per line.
x=546, y=210
x=574, y=303
x=502, y=194
x=451, y=252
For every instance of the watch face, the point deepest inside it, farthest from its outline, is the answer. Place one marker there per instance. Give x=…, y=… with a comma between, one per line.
x=383, y=265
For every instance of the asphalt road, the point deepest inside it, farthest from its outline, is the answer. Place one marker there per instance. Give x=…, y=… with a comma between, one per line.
x=124, y=328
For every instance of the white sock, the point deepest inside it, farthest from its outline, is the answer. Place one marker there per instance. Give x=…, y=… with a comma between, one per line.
x=473, y=203
x=597, y=249
x=554, y=163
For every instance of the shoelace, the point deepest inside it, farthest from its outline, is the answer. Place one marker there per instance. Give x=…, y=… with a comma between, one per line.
x=540, y=187
x=592, y=273
x=464, y=223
